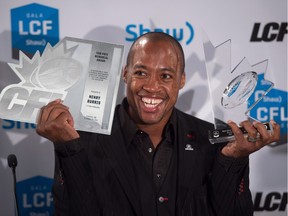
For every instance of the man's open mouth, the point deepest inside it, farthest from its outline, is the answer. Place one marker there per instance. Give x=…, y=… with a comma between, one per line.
x=151, y=102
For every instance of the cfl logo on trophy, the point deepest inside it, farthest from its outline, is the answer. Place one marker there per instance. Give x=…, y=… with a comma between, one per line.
x=43, y=79
x=33, y=26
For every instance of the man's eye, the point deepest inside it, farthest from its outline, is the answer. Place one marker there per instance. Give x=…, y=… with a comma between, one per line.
x=140, y=73
x=166, y=76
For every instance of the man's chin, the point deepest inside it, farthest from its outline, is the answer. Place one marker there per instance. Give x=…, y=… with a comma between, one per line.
x=150, y=119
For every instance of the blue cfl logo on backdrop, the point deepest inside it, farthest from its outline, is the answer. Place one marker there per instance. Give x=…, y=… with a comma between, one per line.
x=33, y=26
x=272, y=106
x=34, y=196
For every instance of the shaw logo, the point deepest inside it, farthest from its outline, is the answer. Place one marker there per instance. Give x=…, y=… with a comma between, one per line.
x=10, y=125
x=270, y=32
x=34, y=196
x=33, y=26
x=273, y=201
x=182, y=34
x=272, y=106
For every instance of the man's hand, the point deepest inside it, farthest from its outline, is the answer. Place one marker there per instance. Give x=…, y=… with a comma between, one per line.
x=258, y=135
x=56, y=123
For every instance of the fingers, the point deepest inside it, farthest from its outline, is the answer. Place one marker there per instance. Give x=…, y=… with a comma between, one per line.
x=46, y=111
x=257, y=137
x=276, y=130
x=257, y=130
x=251, y=130
x=268, y=136
x=56, y=123
x=238, y=134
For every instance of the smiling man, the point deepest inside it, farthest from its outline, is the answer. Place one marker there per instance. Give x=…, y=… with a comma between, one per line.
x=154, y=75
x=158, y=160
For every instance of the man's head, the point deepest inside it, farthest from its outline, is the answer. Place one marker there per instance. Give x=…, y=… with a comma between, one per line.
x=154, y=74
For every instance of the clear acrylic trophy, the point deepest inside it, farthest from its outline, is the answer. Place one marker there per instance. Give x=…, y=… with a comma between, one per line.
x=230, y=90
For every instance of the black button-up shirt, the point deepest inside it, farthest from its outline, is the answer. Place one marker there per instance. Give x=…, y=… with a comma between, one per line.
x=155, y=168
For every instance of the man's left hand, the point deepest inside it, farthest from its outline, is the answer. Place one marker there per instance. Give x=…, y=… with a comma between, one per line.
x=258, y=136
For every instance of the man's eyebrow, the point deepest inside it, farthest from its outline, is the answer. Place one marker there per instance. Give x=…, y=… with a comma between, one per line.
x=168, y=69
x=139, y=66
x=162, y=69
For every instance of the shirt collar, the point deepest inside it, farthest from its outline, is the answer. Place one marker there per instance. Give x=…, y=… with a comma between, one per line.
x=130, y=129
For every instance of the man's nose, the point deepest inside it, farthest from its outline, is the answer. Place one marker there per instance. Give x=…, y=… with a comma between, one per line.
x=152, y=83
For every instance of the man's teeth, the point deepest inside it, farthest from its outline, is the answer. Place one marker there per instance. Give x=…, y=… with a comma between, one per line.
x=151, y=102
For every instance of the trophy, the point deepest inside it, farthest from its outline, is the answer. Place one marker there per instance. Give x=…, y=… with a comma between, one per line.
x=84, y=74
x=232, y=91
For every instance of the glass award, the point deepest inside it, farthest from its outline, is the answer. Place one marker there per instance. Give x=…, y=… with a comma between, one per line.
x=231, y=90
x=84, y=74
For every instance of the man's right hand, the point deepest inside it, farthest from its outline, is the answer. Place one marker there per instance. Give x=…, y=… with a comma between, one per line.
x=56, y=123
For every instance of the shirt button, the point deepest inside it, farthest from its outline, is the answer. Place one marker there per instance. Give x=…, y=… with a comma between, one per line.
x=162, y=199
x=150, y=150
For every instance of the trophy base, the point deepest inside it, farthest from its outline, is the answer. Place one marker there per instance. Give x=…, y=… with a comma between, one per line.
x=226, y=134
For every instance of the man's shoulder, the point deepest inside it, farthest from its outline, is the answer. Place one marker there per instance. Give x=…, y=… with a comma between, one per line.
x=188, y=119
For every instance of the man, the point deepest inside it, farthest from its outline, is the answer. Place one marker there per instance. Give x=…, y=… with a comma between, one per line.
x=157, y=160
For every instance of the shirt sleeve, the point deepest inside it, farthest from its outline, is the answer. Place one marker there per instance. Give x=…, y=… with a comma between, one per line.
x=69, y=148
x=232, y=164
x=229, y=187
x=72, y=168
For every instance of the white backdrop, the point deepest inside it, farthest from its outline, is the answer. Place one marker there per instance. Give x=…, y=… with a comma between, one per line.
x=120, y=22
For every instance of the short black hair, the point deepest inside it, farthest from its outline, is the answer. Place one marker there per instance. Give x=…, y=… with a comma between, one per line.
x=159, y=36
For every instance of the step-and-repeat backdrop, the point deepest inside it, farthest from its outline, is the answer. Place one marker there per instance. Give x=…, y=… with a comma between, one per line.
x=257, y=30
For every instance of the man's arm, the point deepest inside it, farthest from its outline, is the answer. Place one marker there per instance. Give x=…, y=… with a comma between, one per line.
x=229, y=182
x=228, y=187
x=56, y=124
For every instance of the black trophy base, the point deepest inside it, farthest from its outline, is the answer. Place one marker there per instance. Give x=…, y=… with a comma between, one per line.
x=226, y=134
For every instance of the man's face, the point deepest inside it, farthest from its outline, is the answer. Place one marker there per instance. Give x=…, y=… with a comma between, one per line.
x=153, y=80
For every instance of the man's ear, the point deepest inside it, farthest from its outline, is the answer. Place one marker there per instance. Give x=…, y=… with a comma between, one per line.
x=183, y=80
x=124, y=74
